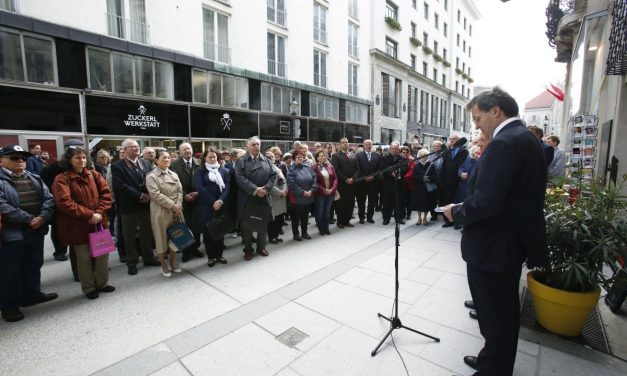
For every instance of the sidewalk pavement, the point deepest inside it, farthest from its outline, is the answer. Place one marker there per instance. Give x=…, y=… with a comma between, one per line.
x=226, y=320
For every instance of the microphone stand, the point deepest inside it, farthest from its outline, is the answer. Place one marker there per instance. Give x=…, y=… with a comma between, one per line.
x=395, y=321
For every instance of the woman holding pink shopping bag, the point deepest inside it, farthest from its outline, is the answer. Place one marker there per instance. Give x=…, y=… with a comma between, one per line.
x=83, y=198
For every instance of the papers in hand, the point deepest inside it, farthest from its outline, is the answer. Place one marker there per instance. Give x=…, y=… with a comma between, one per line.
x=439, y=209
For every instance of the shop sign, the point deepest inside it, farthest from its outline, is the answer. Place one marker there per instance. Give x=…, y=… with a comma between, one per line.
x=141, y=120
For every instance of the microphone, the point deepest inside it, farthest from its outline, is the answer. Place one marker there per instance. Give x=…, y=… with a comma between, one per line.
x=461, y=142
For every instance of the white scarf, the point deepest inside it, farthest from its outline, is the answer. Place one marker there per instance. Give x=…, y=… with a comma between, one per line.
x=214, y=175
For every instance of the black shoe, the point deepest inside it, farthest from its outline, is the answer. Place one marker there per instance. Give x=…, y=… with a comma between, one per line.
x=306, y=236
x=92, y=295
x=340, y=225
x=273, y=241
x=332, y=221
x=469, y=304
x=123, y=259
x=471, y=361
x=12, y=315
x=386, y=222
x=401, y=222
x=196, y=253
x=349, y=224
x=281, y=230
x=370, y=220
x=473, y=315
x=42, y=298
x=76, y=279
x=361, y=221
x=185, y=257
x=322, y=233
x=327, y=232
x=457, y=227
x=408, y=216
x=152, y=263
x=434, y=219
x=107, y=288
x=60, y=257
x=132, y=269
x=298, y=238
x=448, y=224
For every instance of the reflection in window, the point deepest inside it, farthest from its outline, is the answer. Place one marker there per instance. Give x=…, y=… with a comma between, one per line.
x=324, y=107
x=38, y=64
x=164, y=80
x=11, y=66
x=199, y=85
x=220, y=90
x=143, y=79
x=275, y=98
x=356, y=113
x=99, y=70
x=123, y=73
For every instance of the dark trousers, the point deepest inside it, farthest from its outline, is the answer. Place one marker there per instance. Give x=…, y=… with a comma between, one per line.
x=322, y=209
x=299, y=214
x=274, y=226
x=214, y=248
x=20, y=265
x=367, y=190
x=247, y=239
x=447, y=196
x=194, y=247
x=119, y=236
x=59, y=249
x=498, y=309
x=345, y=205
x=129, y=227
x=393, y=203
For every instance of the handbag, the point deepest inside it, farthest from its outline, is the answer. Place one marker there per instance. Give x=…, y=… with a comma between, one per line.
x=431, y=187
x=100, y=241
x=180, y=235
x=256, y=216
x=219, y=225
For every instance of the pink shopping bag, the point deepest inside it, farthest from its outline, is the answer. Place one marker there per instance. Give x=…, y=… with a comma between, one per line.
x=100, y=241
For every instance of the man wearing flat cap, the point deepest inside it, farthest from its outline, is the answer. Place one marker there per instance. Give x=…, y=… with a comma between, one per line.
x=26, y=206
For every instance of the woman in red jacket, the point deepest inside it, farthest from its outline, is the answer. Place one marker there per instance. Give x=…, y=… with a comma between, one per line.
x=83, y=198
x=325, y=194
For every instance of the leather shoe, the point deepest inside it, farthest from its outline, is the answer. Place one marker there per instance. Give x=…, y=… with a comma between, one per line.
x=349, y=224
x=469, y=304
x=401, y=222
x=471, y=361
x=340, y=225
x=298, y=238
x=361, y=221
x=92, y=295
x=370, y=220
x=107, y=288
x=196, y=253
x=42, y=298
x=457, y=227
x=386, y=222
x=60, y=257
x=152, y=263
x=12, y=315
x=132, y=269
x=185, y=257
x=473, y=314
x=306, y=236
x=248, y=256
x=448, y=224
x=262, y=252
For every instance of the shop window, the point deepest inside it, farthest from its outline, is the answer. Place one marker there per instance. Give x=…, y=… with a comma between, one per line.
x=219, y=90
x=275, y=98
x=324, y=107
x=38, y=64
x=356, y=113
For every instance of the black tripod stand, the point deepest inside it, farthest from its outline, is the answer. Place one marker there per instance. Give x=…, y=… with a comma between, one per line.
x=395, y=321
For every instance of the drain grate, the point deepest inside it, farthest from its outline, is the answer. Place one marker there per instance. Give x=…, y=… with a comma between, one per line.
x=291, y=337
x=593, y=334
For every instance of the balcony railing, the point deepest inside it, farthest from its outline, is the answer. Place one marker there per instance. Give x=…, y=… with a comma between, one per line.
x=128, y=29
x=276, y=68
x=320, y=80
x=277, y=16
x=218, y=52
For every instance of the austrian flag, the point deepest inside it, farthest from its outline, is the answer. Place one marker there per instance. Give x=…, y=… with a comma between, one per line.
x=556, y=92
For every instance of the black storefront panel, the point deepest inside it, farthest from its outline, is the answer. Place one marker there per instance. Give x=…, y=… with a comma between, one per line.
x=325, y=131
x=212, y=123
x=39, y=110
x=113, y=116
x=277, y=127
x=356, y=133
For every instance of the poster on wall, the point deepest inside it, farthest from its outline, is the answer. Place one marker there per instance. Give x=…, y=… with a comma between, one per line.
x=278, y=127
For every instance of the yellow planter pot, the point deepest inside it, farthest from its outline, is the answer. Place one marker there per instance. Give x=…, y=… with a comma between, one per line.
x=559, y=311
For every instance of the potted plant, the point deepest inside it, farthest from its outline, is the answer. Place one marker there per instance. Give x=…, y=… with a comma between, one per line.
x=415, y=41
x=446, y=63
x=394, y=24
x=586, y=231
x=427, y=50
x=437, y=57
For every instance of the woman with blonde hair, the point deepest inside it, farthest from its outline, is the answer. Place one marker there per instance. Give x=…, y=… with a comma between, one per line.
x=166, y=205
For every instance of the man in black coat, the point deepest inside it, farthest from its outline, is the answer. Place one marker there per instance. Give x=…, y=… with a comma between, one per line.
x=549, y=152
x=368, y=162
x=504, y=226
x=347, y=170
x=185, y=167
x=393, y=185
x=449, y=181
x=133, y=202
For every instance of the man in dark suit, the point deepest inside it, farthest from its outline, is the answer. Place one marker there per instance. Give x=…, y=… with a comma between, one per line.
x=453, y=158
x=549, y=152
x=347, y=170
x=185, y=167
x=133, y=202
x=393, y=185
x=368, y=162
x=503, y=226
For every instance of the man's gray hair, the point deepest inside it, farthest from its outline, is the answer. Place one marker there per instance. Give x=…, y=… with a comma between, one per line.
x=184, y=144
x=127, y=142
x=253, y=138
x=395, y=143
x=367, y=142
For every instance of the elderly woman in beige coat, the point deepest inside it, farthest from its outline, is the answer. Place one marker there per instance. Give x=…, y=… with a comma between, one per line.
x=166, y=204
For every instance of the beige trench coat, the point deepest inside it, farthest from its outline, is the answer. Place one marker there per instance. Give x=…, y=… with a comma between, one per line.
x=165, y=191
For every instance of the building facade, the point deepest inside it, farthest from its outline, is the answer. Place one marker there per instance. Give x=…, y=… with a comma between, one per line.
x=544, y=111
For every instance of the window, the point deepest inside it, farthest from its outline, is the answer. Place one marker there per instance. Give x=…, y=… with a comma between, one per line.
x=426, y=11
x=219, y=90
x=115, y=18
x=464, y=23
x=470, y=30
x=356, y=113
x=413, y=4
x=128, y=74
x=435, y=75
x=391, y=48
x=412, y=104
x=391, y=95
x=425, y=68
x=388, y=135
x=457, y=86
x=443, y=79
x=275, y=98
x=391, y=10
x=444, y=53
x=456, y=117
x=464, y=48
x=424, y=106
x=353, y=10
x=352, y=80
x=324, y=107
x=425, y=39
x=436, y=21
x=464, y=67
x=445, y=29
x=26, y=57
x=9, y=5
x=469, y=52
x=216, y=36
x=456, y=63
x=434, y=110
x=469, y=71
x=459, y=16
x=435, y=46
x=137, y=23
x=468, y=93
x=276, y=55
x=445, y=4
x=320, y=68
x=320, y=23
x=443, y=111
x=353, y=48
x=413, y=30
x=412, y=58
x=463, y=89
x=276, y=12
x=458, y=39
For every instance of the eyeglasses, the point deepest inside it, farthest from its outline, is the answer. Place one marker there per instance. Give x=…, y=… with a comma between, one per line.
x=16, y=158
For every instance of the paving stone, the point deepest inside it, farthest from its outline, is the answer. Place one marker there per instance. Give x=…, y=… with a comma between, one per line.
x=451, y=350
x=425, y=275
x=447, y=263
x=553, y=362
x=174, y=369
x=454, y=283
x=384, y=263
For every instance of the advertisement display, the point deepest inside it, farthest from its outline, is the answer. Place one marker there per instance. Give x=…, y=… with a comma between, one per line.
x=223, y=123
